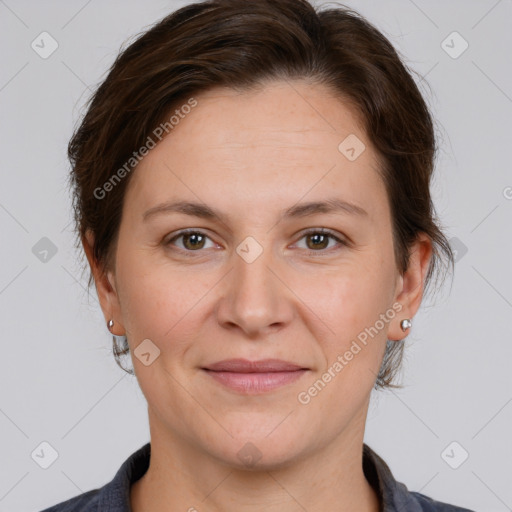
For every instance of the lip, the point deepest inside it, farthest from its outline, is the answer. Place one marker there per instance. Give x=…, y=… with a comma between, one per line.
x=254, y=377
x=261, y=366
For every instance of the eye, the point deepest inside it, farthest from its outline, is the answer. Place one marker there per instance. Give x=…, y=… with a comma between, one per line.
x=192, y=240
x=318, y=239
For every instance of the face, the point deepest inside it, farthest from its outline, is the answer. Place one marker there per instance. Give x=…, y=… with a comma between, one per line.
x=266, y=272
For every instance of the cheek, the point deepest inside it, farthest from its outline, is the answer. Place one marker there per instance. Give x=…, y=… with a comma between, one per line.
x=159, y=302
x=350, y=300
x=351, y=304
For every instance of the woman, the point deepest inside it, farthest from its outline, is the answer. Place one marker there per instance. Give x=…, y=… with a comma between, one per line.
x=252, y=194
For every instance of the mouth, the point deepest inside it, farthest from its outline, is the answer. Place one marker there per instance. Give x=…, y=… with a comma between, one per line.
x=254, y=377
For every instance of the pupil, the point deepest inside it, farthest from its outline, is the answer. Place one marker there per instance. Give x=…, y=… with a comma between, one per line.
x=194, y=237
x=316, y=237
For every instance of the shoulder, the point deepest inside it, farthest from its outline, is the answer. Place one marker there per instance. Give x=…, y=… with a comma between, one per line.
x=86, y=502
x=394, y=495
x=431, y=505
x=113, y=496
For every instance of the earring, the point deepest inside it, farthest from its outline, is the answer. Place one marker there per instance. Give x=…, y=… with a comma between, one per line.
x=110, y=324
x=405, y=324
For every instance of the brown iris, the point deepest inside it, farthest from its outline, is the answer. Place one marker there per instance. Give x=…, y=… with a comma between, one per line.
x=318, y=237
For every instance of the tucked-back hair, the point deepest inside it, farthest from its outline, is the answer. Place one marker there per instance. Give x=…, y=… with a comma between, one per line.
x=244, y=44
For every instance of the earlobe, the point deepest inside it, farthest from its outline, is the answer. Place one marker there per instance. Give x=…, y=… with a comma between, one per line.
x=105, y=284
x=411, y=287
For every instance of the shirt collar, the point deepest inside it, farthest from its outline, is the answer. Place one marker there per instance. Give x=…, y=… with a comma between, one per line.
x=394, y=496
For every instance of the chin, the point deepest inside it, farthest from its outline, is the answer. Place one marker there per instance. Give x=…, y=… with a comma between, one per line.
x=263, y=452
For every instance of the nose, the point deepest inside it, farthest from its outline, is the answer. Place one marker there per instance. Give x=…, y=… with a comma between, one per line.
x=255, y=298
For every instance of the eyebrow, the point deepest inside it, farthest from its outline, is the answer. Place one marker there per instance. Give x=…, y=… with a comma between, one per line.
x=332, y=205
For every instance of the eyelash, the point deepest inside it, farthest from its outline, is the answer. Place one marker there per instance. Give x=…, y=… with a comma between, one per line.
x=321, y=231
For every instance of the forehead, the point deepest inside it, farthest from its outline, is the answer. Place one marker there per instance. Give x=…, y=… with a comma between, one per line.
x=276, y=112
x=277, y=143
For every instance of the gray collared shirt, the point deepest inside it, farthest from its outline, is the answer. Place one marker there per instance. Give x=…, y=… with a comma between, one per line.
x=115, y=496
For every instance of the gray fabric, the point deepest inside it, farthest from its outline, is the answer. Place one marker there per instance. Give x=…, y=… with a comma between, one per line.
x=115, y=496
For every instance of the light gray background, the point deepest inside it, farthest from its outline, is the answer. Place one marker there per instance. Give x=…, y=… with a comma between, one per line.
x=59, y=382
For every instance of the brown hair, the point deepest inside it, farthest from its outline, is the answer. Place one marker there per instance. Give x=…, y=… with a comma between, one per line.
x=241, y=45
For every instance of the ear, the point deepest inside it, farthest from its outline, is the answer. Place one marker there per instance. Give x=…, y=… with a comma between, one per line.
x=105, y=287
x=411, y=285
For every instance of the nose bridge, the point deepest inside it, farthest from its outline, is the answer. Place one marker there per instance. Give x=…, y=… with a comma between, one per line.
x=251, y=273
x=254, y=298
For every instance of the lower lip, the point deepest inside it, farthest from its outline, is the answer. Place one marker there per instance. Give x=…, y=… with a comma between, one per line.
x=254, y=383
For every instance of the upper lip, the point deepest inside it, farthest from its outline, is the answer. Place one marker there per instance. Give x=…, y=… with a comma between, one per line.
x=261, y=366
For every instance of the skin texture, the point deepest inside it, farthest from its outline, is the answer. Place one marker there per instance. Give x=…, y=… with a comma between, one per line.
x=250, y=156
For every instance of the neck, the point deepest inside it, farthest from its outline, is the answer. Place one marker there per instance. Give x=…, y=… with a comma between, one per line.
x=181, y=477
